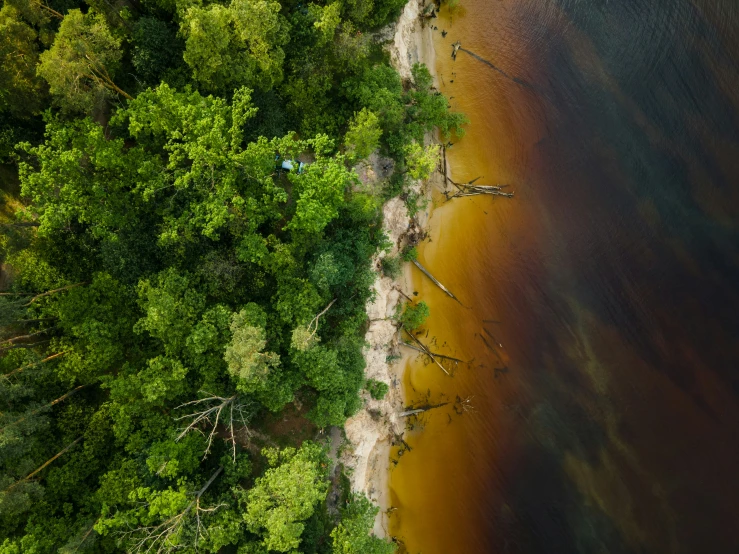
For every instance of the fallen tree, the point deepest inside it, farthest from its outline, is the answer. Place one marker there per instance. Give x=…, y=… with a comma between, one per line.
x=470, y=189
x=434, y=280
x=421, y=409
x=461, y=406
x=424, y=349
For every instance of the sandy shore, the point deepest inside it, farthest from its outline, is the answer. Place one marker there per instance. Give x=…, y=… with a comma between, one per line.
x=371, y=431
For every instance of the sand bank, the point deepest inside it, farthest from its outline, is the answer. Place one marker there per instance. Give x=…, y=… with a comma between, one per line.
x=371, y=431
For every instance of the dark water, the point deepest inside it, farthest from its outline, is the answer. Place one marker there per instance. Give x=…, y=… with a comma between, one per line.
x=615, y=274
x=632, y=414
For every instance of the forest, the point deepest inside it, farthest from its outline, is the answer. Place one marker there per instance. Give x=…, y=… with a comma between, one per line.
x=186, y=258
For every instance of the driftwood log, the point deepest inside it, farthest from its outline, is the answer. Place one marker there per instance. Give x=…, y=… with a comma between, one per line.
x=421, y=409
x=434, y=280
x=461, y=406
x=471, y=189
x=442, y=356
x=423, y=348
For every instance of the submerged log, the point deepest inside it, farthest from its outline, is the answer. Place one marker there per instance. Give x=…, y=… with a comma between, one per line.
x=423, y=348
x=442, y=356
x=434, y=279
x=404, y=294
x=421, y=409
x=500, y=344
x=463, y=405
x=493, y=350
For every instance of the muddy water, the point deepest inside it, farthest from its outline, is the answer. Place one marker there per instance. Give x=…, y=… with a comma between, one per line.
x=600, y=307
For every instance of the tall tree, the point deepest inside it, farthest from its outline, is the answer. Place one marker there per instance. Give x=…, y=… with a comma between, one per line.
x=235, y=45
x=363, y=135
x=353, y=534
x=80, y=65
x=286, y=495
x=79, y=176
x=245, y=355
x=21, y=90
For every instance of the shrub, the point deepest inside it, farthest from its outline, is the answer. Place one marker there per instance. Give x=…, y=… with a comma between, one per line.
x=391, y=266
x=414, y=317
x=377, y=389
x=410, y=254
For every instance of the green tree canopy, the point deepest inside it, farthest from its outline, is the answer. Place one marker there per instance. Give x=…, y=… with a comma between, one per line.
x=21, y=90
x=286, y=495
x=81, y=63
x=414, y=316
x=170, y=287
x=363, y=135
x=238, y=44
x=245, y=354
x=421, y=162
x=354, y=534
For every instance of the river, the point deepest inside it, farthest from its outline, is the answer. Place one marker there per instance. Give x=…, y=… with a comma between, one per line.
x=599, y=309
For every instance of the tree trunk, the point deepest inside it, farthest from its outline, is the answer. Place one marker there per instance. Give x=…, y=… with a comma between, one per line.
x=49, y=292
x=434, y=280
x=49, y=405
x=422, y=409
x=47, y=359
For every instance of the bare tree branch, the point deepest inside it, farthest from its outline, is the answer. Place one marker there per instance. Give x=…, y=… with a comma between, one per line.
x=425, y=350
x=313, y=325
x=47, y=359
x=37, y=410
x=46, y=463
x=215, y=410
x=49, y=292
x=162, y=538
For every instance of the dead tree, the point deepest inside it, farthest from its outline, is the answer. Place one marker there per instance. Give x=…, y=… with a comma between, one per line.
x=45, y=406
x=424, y=349
x=11, y=342
x=313, y=325
x=471, y=189
x=230, y=412
x=31, y=297
x=455, y=48
x=444, y=164
x=410, y=411
x=21, y=224
x=45, y=464
x=463, y=405
x=408, y=298
x=47, y=359
x=434, y=280
x=488, y=333
x=165, y=536
x=304, y=336
x=51, y=11
x=429, y=353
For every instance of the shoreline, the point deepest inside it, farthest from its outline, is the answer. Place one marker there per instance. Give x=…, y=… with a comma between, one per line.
x=371, y=432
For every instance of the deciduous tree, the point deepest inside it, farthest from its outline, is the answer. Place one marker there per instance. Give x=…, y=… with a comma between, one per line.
x=363, y=135
x=21, y=90
x=286, y=495
x=235, y=45
x=81, y=63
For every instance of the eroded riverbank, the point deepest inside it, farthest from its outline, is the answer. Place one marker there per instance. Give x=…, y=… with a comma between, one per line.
x=372, y=431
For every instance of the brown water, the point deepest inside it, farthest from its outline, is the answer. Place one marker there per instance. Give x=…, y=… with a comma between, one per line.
x=614, y=274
